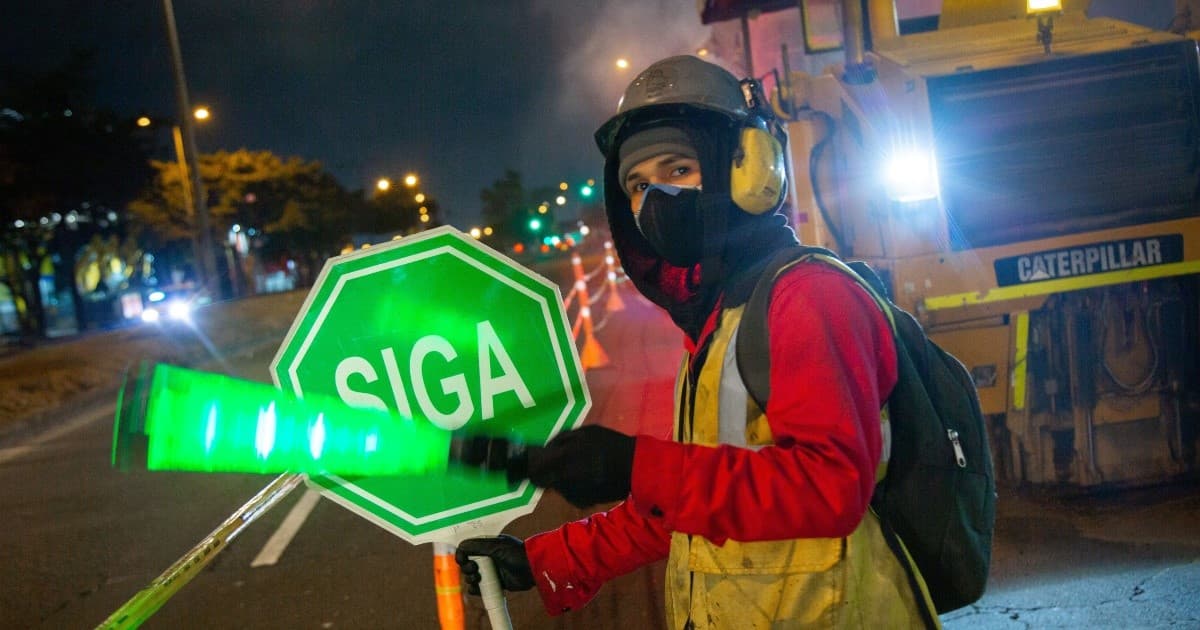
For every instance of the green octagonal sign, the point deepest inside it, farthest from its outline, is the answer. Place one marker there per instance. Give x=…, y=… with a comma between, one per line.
x=441, y=327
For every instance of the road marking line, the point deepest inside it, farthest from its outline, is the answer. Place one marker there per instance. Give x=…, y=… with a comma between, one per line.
x=287, y=530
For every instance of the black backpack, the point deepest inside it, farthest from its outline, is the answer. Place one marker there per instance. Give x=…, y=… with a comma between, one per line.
x=938, y=498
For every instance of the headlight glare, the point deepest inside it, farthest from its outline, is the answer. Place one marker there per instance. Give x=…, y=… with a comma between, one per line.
x=179, y=310
x=911, y=175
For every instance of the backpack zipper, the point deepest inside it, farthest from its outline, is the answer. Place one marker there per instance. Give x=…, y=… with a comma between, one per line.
x=959, y=457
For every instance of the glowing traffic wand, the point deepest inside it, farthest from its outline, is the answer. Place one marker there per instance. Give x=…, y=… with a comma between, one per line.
x=173, y=418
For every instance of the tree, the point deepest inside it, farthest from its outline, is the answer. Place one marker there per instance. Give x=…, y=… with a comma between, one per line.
x=272, y=206
x=397, y=210
x=506, y=209
x=64, y=162
x=311, y=225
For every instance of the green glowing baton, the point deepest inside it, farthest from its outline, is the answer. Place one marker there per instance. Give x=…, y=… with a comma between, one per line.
x=179, y=419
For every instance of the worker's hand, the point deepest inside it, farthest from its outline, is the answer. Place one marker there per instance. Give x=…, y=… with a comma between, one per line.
x=586, y=466
x=506, y=552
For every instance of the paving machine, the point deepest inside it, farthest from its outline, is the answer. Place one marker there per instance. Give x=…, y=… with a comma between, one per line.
x=1026, y=179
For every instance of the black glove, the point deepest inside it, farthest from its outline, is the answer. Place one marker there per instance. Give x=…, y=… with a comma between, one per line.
x=586, y=466
x=506, y=552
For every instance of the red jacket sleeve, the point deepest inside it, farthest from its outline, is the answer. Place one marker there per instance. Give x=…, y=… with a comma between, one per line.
x=833, y=363
x=570, y=564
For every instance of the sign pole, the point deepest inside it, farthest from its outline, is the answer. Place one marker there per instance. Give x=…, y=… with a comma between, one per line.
x=147, y=601
x=492, y=593
x=448, y=587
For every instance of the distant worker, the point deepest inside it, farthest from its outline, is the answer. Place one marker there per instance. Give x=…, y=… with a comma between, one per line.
x=763, y=518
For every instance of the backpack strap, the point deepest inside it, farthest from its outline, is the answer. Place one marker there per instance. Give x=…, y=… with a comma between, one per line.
x=752, y=346
x=754, y=363
x=753, y=355
x=753, y=339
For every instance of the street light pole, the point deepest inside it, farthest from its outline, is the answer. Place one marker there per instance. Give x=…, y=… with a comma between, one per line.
x=186, y=142
x=185, y=183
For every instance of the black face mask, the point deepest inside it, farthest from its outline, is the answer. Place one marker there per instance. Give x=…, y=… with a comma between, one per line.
x=670, y=220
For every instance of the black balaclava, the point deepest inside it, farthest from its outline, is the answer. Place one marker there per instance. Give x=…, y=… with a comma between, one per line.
x=736, y=244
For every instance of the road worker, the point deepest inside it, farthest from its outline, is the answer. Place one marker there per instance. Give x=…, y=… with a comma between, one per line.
x=762, y=514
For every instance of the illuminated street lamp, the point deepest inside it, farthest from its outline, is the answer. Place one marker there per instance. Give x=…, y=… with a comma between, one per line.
x=201, y=113
x=623, y=63
x=487, y=231
x=560, y=200
x=476, y=233
x=184, y=174
x=410, y=180
x=420, y=198
x=563, y=186
x=383, y=184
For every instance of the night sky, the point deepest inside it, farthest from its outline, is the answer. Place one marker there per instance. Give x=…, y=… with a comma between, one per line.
x=455, y=91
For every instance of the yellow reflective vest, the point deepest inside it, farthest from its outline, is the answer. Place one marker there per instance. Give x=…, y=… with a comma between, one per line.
x=851, y=582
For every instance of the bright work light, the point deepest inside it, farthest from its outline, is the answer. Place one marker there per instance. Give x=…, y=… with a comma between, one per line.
x=911, y=175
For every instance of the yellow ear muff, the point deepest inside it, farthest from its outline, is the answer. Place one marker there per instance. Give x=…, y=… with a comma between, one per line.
x=757, y=177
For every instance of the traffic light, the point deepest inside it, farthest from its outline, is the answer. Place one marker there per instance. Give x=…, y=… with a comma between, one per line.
x=586, y=191
x=535, y=224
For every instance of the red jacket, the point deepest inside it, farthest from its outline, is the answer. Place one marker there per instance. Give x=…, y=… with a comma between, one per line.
x=833, y=364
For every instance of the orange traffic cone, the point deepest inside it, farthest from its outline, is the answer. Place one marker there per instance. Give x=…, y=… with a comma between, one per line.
x=591, y=355
x=614, y=303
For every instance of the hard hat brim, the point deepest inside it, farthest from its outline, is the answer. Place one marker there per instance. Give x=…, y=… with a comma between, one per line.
x=612, y=131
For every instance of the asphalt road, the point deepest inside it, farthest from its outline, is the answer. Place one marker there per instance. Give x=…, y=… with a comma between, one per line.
x=79, y=538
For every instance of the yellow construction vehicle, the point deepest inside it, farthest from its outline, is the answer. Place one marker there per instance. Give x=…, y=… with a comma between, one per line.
x=1027, y=179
